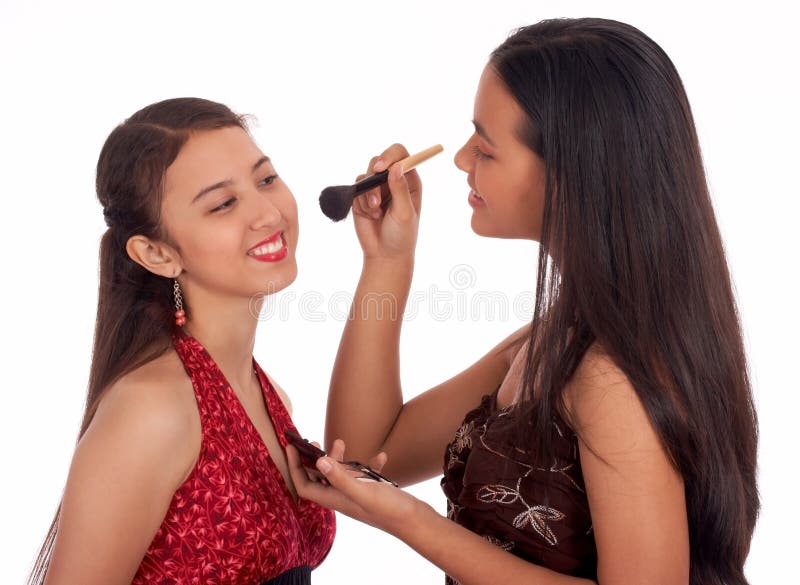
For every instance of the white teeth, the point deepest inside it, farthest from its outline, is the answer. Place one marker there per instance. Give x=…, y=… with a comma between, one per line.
x=268, y=248
x=475, y=193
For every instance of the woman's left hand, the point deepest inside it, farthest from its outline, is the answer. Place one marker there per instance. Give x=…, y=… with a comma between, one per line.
x=375, y=503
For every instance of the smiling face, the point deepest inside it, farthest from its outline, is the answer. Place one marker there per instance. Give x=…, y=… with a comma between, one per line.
x=505, y=176
x=230, y=217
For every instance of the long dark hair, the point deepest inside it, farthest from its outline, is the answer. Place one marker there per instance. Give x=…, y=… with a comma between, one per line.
x=134, y=307
x=631, y=261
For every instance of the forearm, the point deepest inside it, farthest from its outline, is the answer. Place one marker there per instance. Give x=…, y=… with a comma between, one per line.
x=471, y=559
x=365, y=396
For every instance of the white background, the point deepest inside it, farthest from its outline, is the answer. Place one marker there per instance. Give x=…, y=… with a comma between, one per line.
x=332, y=83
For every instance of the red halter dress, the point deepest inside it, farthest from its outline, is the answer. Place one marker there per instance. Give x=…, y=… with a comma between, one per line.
x=234, y=520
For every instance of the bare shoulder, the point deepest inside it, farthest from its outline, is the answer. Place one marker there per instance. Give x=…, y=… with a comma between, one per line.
x=287, y=403
x=513, y=345
x=137, y=451
x=605, y=408
x=159, y=390
x=597, y=372
x=636, y=496
x=152, y=409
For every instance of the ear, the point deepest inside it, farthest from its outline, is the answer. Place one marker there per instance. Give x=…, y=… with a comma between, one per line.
x=157, y=257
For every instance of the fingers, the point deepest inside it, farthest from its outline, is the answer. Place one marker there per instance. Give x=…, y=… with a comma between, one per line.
x=368, y=204
x=293, y=459
x=313, y=474
x=359, y=203
x=361, y=207
x=296, y=470
x=377, y=462
x=340, y=477
x=395, y=153
x=415, y=188
x=401, y=205
x=337, y=450
x=374, y=203
x=370, y=167
x=388, y=157
x=371, y=200
x=321, y=491
x=405, y=189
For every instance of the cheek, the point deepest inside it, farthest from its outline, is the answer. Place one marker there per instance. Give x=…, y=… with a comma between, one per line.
x=212, y=246
x=290, y=212
x=288, y=208
x=528, y=211
x=518, y=203
x=532, y=198
x=202, y=242
x=535, y=198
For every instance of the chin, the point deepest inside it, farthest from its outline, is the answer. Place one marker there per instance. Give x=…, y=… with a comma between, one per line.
x=489, y=231
x=284, y=279
x=476, y=226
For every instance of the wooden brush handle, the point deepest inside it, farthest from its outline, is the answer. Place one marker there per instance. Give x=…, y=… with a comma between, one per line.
x=407, y=163
x=412, y=161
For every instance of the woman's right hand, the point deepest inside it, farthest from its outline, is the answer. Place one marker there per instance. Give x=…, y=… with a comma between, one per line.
x=387, y=217
x=347, y=491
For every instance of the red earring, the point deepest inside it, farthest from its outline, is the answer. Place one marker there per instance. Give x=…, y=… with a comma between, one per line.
x=180, y=315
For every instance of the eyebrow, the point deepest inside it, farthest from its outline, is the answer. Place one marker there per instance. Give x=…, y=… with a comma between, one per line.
x=482, y=132
x=228, y=182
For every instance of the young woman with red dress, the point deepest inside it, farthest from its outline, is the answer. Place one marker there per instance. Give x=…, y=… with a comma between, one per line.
x=180, y=474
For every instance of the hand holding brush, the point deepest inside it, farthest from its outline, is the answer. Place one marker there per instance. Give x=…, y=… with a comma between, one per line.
x=335, y=202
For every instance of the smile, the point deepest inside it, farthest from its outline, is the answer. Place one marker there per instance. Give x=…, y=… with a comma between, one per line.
x=272, y=249
x=474, y=199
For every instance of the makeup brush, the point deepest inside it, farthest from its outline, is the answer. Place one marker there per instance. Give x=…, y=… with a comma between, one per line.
x=335, y=202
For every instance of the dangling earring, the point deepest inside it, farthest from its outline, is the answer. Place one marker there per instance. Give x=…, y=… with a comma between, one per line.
x=180, y=316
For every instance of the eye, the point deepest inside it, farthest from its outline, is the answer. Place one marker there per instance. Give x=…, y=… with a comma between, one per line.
x=479, y=154
x=224, y=205
x=268, y=180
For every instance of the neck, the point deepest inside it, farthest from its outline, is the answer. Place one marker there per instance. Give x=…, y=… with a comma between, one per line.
x=228, y=331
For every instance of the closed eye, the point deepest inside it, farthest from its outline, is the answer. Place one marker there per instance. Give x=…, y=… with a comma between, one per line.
x=265, y=182
x=224, y=205
x=479, y=154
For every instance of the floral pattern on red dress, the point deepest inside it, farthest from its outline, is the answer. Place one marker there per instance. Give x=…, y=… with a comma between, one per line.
x=234, y=520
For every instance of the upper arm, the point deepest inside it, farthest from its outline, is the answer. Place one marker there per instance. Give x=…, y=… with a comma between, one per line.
x=126, y=468
x=427, y=423
x=636, y=496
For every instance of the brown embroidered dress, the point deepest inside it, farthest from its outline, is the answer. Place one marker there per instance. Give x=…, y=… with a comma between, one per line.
x=493, y=489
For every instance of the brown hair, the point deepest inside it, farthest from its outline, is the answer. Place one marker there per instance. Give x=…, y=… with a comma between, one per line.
x=631, y=261
x=134, y=308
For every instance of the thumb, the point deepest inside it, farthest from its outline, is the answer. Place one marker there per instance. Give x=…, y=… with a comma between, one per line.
x=401, y=205
x=377, y=462
x=337, y=476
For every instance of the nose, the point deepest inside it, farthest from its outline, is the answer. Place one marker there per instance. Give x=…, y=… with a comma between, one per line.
x=462, y=159
x=265, y=212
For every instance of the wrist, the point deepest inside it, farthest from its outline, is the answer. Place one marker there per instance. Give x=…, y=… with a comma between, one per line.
x=383, y=281
x=395, y=265
x=414, y=522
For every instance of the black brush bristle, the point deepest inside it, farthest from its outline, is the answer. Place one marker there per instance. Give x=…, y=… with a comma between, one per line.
x=335, y=202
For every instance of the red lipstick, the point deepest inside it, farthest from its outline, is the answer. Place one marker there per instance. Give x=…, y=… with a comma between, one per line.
x=272, y=249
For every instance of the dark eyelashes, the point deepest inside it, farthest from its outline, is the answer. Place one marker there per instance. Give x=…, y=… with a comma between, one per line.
x=225, y=204
x=266, y=181
x=479, y=154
